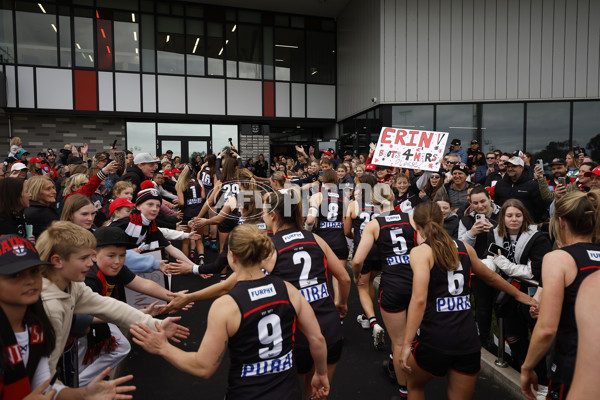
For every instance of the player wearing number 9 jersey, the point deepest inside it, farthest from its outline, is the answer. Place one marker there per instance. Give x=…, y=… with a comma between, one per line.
x=256, y=321
x=447, y=343
x=395, y=236
x=304, y=260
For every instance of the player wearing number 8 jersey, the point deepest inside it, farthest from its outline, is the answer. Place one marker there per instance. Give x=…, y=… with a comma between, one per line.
x=304, y=259
x=256, y=320
x=447, y=343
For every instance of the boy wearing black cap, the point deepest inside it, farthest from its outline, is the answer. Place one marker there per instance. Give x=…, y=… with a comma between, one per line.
x=456, y=149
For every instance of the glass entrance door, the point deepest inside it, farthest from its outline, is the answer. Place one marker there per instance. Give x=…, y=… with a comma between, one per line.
x=185, y=147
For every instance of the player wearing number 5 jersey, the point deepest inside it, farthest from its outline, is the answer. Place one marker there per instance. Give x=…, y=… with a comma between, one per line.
x=256, y=321
x=304, y=260
x=447, y=343
x=395, y=236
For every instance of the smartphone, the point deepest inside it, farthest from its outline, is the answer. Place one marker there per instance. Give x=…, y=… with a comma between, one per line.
x=561, y=180
x=540, y=163
x=120, y=158
x=494, y=249
x=479, y=217
x=114, y=146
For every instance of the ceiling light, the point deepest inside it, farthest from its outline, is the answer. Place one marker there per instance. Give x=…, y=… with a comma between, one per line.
x=221, y=52
x=137, y=51
x=54, y=27
x=234, y=28
x=132, y=17
x=91, y=59
x=42, y=8
x=135, y=36
x=226, y=41
x=168, y=38
x=103, y=34
x=196, y=45
x=314, y=72
x=278, y=59
x=108, y=49
x=288, y=46
x=78, y=46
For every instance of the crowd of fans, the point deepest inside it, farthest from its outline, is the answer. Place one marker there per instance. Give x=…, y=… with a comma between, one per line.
x=85, y=222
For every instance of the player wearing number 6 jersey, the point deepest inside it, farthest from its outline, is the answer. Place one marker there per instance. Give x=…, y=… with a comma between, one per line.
x=395, y=236
x=304, y=259
x=447, y=343
x=256, y=321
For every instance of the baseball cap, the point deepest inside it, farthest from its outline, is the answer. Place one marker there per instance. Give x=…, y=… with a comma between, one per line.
x=595, y=171
x=557, y=161
x=175, y=171
x=21, y=152
x=461, y=167
x=455, y=142
x=18, y=166
x=144, y=158
x=112, y=236
x=517, y=153
x=74, y=160
x=474, y=141
x=17, y=254
x=328, y=153
x=370, y=167
x=348, y=153
x=118, y=203
x=36, y=159
x=516, y=161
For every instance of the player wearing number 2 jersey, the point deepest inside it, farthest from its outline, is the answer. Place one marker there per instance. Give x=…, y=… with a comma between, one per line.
x=304, y=260
x=256, y=321
x=440, y=304
x=395, y=236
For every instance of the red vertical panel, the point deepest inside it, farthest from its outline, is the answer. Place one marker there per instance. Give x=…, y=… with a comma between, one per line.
x=85, y=90
x=268, y=99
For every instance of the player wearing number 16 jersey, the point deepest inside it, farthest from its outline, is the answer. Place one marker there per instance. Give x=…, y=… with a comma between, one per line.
x=256, y=321
x=447, y=343
x=304, y=260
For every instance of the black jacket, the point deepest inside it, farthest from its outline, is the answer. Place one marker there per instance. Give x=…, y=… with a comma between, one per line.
x=40, y=216
x=524, y=189
x=136, y=177
x=12, y=225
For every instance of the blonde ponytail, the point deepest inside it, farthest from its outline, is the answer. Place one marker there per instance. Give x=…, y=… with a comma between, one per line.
x=250, y=245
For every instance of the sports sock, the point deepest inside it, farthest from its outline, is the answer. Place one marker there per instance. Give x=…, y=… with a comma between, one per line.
x=372, y=321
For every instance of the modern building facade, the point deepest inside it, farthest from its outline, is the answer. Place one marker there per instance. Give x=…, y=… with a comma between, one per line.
x=187, y=76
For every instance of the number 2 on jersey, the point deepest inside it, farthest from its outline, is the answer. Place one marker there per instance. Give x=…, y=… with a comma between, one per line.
x=302, y=257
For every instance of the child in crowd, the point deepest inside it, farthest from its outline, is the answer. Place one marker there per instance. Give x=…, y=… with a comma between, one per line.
x=27, y=335
x=105, y=345
x=70, y=248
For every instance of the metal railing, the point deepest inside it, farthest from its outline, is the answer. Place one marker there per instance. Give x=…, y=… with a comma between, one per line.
x=500, y=362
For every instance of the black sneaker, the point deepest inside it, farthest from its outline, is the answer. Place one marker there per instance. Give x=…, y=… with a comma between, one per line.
x=388, y=372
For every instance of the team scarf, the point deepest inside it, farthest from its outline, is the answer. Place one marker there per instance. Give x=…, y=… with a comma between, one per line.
x=15, y=379
x=143, y=230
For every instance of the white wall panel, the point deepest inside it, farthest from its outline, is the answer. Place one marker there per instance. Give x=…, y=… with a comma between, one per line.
x=298, y=100
x=478, y=49
x=547, y=48
x=54, y=88
x=25, y=85
x=524, y=36
x=501, y=47
x=467, y=49
x=489, y=88
x=282, y=99
x=411, y=50
x=594, y=50
x=456, y=45
x=171, y=94
x=244, y=98
x=558, y=50
x=148, y=93
x=206, y=96
x=445, y=44
x=535, y=49
x=128, y=92
x=392, y=68
x=422, y=51
x=433, y=67
x=105, y=91
x=512, y=50
x=320, y=101
x=11, y=86
x=583, y=7
x=570, y=48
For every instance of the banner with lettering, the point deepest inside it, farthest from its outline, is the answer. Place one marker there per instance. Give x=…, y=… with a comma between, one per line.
x=413, y=149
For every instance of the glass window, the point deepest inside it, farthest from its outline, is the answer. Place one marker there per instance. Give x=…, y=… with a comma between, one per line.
x=289, y=55
x=415, y=117
x=460, y=121
x=173, y=145
x=195, y=47
x=120, y=4
x=64, y=28
x=127, y=52
x=548, y=130
x=221, y=135
x=105, y=46
x=148, y=43
x=268, y=52
x=250, y=51
x=215, y=48
x=84, y=41
x=7, y=48
x=170, y=41
x=586, y=127
x=502, y=127
x=184, y=129
x=141, y=137
x=320, y=57
x=231, y=49
x=36, y=46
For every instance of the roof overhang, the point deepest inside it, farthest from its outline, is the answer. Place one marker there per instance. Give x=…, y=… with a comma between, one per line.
x=319, y=8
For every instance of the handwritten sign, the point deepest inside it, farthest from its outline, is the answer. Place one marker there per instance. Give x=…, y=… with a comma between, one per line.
x=411, y=149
